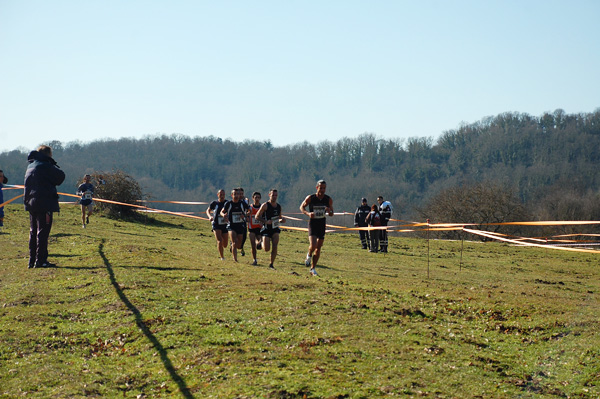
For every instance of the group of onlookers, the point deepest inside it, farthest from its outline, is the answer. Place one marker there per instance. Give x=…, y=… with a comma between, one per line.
x=377, y=217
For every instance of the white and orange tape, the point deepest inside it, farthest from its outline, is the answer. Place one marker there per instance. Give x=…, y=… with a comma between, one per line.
x=406, y=227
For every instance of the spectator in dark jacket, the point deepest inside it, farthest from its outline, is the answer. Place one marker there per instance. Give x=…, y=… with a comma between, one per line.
x=374, y=220
x=3, y=181
x=360, y=217
x=41, y=200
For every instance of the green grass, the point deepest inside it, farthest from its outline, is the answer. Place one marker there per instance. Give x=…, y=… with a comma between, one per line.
x=142, y=310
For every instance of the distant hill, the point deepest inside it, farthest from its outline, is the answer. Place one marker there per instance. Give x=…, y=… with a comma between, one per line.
x=551, y=161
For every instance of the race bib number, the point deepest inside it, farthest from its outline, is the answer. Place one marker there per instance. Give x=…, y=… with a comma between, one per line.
x=319, y=212
x=220, y=219
x=275, y=223
x=237, y=217
x=87, y=195
x=255, y=221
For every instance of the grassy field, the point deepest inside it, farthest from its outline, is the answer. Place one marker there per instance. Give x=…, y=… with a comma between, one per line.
x=145, y=310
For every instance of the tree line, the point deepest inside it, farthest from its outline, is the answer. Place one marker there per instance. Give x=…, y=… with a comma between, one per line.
x=548, y=164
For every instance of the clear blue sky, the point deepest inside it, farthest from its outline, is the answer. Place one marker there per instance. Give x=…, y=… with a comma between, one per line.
x=287, y=71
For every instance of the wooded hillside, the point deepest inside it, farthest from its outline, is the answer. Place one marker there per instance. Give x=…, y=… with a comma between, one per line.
x=550, y=161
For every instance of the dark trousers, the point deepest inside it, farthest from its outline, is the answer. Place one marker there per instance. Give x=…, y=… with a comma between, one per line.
x=375, y=235
x=364, y=238
x=40, y=224
x=383, y=238
x=244, y=237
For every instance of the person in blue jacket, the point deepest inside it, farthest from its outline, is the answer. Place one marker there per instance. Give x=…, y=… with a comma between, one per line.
x=41, y=201
x=3, y=181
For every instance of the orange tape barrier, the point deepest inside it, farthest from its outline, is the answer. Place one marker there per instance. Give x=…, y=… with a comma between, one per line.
x=293, y=228
x=518, y=242
x=11, y=200
x=177, y=202
x=139, y=207
x=293, y=218
x=571, y=235
x=414, y=226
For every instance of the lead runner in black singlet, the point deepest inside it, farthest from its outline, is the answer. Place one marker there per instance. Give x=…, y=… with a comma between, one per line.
x=319, y=205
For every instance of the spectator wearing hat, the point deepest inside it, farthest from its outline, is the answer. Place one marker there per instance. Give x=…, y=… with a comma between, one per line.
x=360, y=217
x=41, y=201
x=386, y=209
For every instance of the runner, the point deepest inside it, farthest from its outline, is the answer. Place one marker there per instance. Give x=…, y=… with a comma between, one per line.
x=319, y=205
x=270, y=215
x=219, y=227
x=254, y=226
x=86, y=191
x=234, y=213
x=245, y=200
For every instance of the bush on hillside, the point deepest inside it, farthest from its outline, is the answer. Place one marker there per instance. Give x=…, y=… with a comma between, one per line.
x=120, y=187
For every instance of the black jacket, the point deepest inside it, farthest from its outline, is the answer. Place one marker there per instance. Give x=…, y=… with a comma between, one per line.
x=360, y=215
x=41, y=178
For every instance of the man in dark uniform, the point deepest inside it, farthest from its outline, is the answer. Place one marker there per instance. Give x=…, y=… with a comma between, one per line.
x=319, y=205
x=3, y=181
x=385, y=208
x=359, y=221
x=41, y=200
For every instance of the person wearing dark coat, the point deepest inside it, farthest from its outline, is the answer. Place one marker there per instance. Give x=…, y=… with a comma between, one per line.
x=360, y=217
x=3, y=181
x=41, y=201
x=374, y=219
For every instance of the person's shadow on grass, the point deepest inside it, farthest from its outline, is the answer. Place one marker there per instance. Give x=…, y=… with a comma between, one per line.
x=183, y=388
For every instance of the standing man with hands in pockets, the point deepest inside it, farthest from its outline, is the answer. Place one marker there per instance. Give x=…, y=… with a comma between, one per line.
x=319, y=205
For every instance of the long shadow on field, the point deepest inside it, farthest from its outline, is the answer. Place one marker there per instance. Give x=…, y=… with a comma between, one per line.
x=161, y=268
x=81, y=267
x=134, y=234
x=138, y=320
x=60, y=235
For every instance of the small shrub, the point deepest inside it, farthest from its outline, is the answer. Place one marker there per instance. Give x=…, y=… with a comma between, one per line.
x=117, y=186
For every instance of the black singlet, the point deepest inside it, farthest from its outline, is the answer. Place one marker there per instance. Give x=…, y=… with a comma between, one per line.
x=216, y=207
x=272, y=213
x=236, y=213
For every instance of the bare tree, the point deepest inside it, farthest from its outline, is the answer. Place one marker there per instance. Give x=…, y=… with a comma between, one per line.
x=483, y=204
